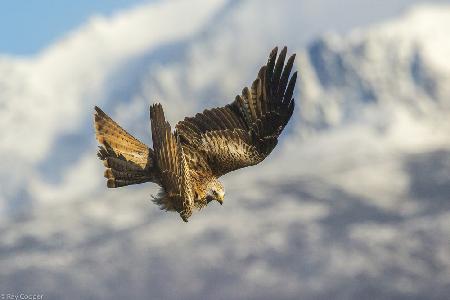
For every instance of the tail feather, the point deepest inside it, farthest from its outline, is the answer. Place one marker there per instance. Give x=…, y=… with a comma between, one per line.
x=110, y=133
x=127, y=160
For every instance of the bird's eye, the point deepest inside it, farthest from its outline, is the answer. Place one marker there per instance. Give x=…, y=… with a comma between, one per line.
x=215, y=193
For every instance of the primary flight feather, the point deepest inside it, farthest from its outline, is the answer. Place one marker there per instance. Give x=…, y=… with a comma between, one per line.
x=187, y=162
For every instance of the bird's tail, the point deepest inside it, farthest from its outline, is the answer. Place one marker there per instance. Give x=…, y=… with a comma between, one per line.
x=127, y=160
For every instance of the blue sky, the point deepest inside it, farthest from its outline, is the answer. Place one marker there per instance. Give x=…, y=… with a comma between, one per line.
x=28, y=26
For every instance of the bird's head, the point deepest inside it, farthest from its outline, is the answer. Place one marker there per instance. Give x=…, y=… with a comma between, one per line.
x=215, y=191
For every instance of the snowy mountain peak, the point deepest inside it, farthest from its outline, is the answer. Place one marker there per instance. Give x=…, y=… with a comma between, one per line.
x=402, y=63
x=357, y=211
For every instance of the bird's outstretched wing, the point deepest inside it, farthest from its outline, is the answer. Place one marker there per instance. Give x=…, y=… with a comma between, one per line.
x=246, y=131
x=171, y=163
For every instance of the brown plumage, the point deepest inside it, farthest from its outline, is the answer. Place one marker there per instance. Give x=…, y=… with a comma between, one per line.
x=187, y=163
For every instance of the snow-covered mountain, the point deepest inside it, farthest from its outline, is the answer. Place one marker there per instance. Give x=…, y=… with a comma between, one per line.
x=402, y=64
x=353, y=204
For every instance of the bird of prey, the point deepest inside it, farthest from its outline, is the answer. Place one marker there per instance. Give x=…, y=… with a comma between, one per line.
x=187, y=162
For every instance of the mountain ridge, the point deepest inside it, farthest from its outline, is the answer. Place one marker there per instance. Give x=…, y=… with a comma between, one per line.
x=348, y=209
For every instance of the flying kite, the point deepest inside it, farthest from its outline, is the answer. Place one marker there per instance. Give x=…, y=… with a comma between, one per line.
x=187, y=162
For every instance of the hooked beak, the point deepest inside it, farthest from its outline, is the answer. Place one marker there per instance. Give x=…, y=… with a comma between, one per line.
x=220, y=200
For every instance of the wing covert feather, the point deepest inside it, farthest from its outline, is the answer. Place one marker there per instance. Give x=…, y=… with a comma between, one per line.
x=246, y=131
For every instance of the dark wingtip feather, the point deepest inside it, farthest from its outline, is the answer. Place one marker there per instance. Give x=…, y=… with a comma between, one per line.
x=271, y=63
x=274, y=52
x=99, y=113
x=291, y=107
x=98, y=116
x=290, y=88
x=261, y=72
x=285, y=76
x=279, y=66
x=97, y=109
x=275, y=81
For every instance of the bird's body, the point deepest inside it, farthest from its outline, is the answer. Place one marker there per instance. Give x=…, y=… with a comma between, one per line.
x=187, y=162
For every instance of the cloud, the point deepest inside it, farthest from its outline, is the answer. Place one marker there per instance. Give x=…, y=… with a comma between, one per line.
x=348, y=205
x=52, y=94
